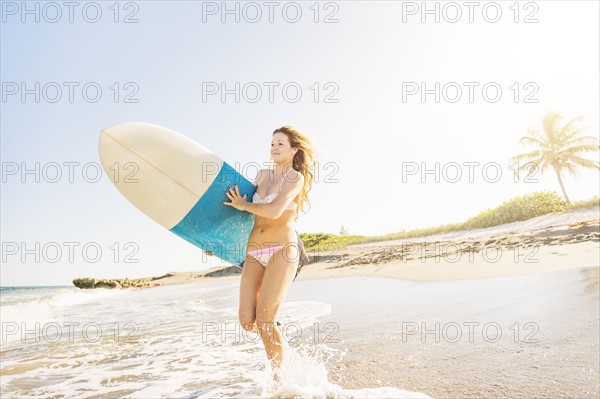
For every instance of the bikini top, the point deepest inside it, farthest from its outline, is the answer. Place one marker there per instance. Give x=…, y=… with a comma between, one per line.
x=257, y=199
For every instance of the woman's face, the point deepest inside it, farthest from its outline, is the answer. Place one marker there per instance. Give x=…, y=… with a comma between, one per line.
x=281, y=151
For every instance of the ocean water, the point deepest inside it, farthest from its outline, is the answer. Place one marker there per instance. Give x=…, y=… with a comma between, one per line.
x=179, y=341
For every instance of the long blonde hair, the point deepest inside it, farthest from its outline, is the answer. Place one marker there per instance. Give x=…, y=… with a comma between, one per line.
x=302, y=162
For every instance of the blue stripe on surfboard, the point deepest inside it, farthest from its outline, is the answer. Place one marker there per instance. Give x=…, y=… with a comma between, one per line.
x=218, y=228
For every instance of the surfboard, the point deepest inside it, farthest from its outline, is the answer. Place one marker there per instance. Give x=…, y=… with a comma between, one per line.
x=180, y=184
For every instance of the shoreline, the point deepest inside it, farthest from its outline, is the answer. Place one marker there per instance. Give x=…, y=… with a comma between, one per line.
x=552, y=248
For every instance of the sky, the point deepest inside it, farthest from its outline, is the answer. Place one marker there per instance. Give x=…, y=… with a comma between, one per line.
x=358, y=78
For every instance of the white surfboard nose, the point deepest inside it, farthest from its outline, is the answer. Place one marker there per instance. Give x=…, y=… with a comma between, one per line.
x=160, y=171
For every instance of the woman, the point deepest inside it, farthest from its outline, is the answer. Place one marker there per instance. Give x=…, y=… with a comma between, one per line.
x=274, y=252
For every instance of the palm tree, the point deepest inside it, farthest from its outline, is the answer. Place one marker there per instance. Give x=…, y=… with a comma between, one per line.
x=559, y=148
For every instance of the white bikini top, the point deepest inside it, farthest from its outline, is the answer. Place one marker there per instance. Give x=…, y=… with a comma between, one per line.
x=257, y=199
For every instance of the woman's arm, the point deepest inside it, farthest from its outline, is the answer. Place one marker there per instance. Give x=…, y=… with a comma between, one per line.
x=291, y=187
x=264, y=210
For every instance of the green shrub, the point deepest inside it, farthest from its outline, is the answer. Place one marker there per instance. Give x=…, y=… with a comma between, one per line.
x=327, y=242
x=594, y=201
x=520, y=208
x=517, y=209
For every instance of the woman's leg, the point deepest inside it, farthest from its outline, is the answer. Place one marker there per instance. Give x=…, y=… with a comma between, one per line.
x=276, y=282
x=250, y=283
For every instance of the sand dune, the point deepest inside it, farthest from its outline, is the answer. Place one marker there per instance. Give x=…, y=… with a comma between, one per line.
x=546, y=243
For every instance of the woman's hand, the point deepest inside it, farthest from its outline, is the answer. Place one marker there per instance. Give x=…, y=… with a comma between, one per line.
x=237, y=201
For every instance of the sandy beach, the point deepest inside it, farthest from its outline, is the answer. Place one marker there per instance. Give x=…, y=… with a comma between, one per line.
x=507, y=311
x=543, y=244
x=533, y=336
x=538, y=278
x=535, y=283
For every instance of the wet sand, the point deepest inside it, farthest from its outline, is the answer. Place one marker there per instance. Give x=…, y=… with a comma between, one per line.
x=533, y=336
